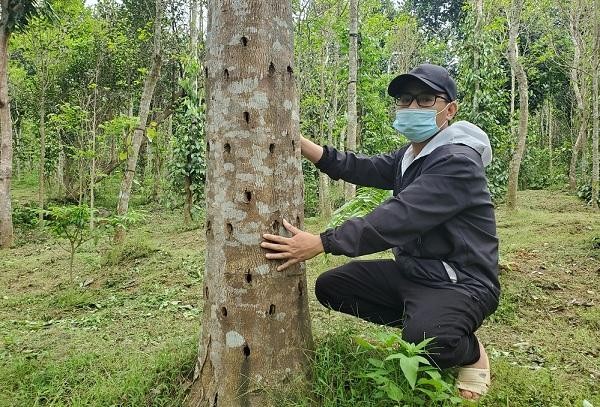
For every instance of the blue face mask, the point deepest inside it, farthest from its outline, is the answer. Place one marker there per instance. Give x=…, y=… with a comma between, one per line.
x=416, y=124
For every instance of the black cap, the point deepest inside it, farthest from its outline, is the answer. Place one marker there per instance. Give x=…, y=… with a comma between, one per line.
x=434, y=76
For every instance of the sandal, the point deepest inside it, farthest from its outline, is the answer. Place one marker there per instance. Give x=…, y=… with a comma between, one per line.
x=473, y=379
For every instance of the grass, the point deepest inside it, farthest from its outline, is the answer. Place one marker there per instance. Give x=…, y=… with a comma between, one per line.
x=125, y=332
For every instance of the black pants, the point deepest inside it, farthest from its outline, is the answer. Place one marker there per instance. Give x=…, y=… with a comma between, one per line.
x=378, y=291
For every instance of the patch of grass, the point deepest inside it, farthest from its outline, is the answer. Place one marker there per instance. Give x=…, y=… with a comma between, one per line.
x=74, y=298
x=129, y=251
x=105, y=377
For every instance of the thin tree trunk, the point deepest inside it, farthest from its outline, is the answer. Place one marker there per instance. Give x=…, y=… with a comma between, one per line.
x=138, y=133
x=189, y=200
x=478, y=6
x=6, y=149
x=352, y=79
x=42, y=163
x=515, y=163
x=94, y=129
x=596, y=102
x=324, y=203
x=575, y=75
x=256, y=324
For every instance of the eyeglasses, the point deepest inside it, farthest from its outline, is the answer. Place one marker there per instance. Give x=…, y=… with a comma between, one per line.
x=423, y=100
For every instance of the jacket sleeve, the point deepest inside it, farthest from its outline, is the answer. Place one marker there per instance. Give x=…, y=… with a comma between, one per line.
x=377, y=171
x=445, y=187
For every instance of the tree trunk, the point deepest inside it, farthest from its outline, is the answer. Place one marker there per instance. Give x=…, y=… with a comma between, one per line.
x=580, y=119
x=189, y=200
x=42, y=163
x=324, y=202
x=352, y=69
x=478, y=6
x=515, y=162
x=6, y=150
x=596, y=102
x=138, y=133
x=256, y=325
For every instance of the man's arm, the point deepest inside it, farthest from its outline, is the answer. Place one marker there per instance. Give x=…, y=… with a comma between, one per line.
x=450, y=185
x=377, y=171
x=313, y=152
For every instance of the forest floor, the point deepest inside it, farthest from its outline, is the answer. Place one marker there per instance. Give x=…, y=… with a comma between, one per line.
x=125, y=332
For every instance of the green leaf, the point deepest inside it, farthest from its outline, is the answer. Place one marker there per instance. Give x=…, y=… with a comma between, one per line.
x=410, y=367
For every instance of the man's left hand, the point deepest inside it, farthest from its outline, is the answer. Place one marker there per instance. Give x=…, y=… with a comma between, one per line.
x=300, y=247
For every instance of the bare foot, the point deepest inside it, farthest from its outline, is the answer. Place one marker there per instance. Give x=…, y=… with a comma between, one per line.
x=482, y=363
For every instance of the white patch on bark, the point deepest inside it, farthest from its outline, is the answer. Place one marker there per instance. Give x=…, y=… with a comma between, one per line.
x=280, y=316
x=228, y=167
x=251, y=235
x=234, y=339
x=230, y=212
x=263, y=208
x=262, y=270
x=259, y=101
x=277, y=47
x=287, y=104
x=240, y=7
x=245, y=85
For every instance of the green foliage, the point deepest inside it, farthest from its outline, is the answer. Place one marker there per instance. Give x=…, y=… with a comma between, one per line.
x=129, y=252
x=365, y=201
x=584, y=192
x=25, y=216
x=402, y=373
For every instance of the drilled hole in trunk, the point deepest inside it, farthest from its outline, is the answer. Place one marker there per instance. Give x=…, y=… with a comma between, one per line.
x=248, y=196
x=229, y=229
x=247, y=117
x=206, y=72
x=293, y=145
x=208, y=146
x=271, y=69
x=272, y=309
x=208, y=227
x=275, y=226
x=300, y=285
x=215, y=400
x=297, y=221
x=244, y=41
x=206, y=293
x=227, y=148
x=271, y=148
x=248, y=278
x=224, y=311
x=226, y=73
x=290, y=70
x=246, y=350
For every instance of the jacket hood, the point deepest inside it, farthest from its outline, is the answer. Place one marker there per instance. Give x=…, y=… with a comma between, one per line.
x=461, y=132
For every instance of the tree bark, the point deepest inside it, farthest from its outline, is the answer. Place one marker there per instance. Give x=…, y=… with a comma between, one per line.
x=352, y=79
x=515, y=163
x=324, y=202
x=578, y=89
x=256, y=324
x=42, y=163
x=478, y=8
x=596, y=102
x=6, y=149
x=138, y=133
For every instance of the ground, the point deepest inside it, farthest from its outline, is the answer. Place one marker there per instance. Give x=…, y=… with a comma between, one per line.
x=125, y=331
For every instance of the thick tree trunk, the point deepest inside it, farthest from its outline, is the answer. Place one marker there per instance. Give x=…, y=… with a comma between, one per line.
x=6, y=150
x=515, y=163
x=255, y=325
x=352, y=79
x=138, y=133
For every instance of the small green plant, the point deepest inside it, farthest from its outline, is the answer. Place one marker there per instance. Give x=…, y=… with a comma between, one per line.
x=365, y=201
x=584, y=192
x=403, y=375
x=72, y=222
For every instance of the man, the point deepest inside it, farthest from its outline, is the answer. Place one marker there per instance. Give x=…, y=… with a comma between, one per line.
x=440, y=224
